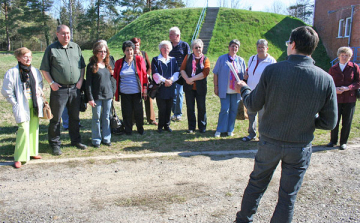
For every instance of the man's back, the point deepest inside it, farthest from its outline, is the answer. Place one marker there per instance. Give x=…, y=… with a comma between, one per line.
x=293, y=92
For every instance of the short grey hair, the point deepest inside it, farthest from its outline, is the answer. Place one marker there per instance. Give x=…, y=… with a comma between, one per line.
x=61, y=27
x=236, y=41
x=165, y=42
x=175, y=29
x=262, y=42
x=197, y=42
x=344, y=49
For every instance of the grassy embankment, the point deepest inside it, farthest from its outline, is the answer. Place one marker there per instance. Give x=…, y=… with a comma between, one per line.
x=153, y=27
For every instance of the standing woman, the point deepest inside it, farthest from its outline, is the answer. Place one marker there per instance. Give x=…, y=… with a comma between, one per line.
x=346, y=75
x=22, y=88
x=195, y=69
x=131, y=84
x=224, y=87
x=149, y=108
x=165, y=71
x=256, y=66
x=100, y=93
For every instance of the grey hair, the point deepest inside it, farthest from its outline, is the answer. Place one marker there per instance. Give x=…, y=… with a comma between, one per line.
x=236, y=41
x=163, y=43
x=60, y=27
x=262, y=42
x=344, y=49
x=102, y=41
x=197, y=42
x=175, y=29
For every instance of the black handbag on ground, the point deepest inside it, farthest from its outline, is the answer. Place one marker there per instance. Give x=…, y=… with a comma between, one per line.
x=116, y=124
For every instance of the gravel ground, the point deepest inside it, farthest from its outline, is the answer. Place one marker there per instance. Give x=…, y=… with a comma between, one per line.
x=173, y=188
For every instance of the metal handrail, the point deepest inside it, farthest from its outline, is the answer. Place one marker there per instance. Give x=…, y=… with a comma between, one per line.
x=201, y=19
x=355, y=58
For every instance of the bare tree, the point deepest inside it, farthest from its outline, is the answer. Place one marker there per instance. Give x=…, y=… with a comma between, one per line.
x=235, y=4
x=277, y=7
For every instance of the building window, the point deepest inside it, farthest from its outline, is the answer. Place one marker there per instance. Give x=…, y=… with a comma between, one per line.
x=347, y=27
x=341, y=28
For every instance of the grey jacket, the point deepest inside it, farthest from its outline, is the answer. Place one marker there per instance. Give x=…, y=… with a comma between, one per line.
x=297, y=97
x=14, y=92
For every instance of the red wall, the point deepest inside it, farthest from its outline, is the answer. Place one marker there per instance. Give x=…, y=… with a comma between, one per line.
x=327, y=23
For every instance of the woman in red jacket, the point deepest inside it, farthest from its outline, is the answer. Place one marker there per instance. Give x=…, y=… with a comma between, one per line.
x=346, y=76
x=131, y=84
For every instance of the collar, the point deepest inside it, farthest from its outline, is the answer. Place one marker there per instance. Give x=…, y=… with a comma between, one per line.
x=301, y=59
x=267, y=58
x=62, y=47
x=162, y=59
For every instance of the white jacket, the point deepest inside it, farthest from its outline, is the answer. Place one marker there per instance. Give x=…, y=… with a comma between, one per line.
x=14, y=92
x=254, y=77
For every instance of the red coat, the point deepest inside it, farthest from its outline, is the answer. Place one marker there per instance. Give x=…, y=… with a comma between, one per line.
x=346, y=78
x=142, y=76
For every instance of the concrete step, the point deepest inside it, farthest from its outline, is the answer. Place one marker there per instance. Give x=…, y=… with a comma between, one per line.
x=208, y=26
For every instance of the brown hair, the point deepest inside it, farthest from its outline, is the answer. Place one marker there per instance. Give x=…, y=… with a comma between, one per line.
x=136, y=40
x=21, y=51
x=96, y=48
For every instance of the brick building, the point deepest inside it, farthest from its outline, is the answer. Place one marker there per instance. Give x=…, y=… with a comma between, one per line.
x=338, y=24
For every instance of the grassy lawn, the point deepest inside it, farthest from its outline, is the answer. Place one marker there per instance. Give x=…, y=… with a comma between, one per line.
x=178, y=140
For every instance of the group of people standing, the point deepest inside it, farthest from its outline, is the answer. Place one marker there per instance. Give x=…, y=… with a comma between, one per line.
x=291, y=98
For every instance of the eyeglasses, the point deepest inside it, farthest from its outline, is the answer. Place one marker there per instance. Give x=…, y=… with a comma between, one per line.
x=197, y=47
x=104, y=52
x=26, y=58
x=287, y=43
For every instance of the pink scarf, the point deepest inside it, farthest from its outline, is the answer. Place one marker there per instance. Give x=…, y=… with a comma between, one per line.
x=232, y=75
x=194, y=63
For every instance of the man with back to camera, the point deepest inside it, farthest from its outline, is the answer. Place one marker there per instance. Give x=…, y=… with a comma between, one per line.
x=63, y=68
x=179, y=51
x=297, y=97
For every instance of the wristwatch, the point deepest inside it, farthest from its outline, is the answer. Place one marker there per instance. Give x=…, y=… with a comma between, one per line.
x=52, y=82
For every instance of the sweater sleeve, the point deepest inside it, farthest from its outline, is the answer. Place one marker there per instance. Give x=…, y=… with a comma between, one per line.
x=206, y=70
x=183, y=65
x=328, y=114
x=89, y=82
x=254, y=100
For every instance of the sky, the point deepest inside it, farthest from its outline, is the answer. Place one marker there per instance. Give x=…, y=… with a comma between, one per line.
x=257, y=5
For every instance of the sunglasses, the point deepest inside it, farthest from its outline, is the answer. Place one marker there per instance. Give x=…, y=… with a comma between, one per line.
x=287, y=43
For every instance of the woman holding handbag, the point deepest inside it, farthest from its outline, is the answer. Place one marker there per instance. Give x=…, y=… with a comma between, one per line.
x=22, y=88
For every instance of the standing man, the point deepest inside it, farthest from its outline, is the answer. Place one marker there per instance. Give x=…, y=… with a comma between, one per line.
x=297, y=97
x=63, y=67
x=179, y=51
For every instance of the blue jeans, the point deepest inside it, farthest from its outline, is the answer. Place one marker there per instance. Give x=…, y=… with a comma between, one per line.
x=178, y=100
x=252, y=121
x=294, y=159
x=65, y=118
x=227, y=115
x=101, y=110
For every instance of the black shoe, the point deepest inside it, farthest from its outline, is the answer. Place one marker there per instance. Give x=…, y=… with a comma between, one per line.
x=65, y=129
x=330, y=144
x=106, y=143
x=79, y=146
x=96, y=146
x=343, y=147
x=56, y=150
x=141, y=131
x=168, y=129
x=202, y=131
x=159, y=130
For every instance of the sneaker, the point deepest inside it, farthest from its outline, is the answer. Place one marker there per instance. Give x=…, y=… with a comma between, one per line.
x=217, y=134
x=178, y=118
x=190, y=131
x=173, y=118
x=343, y=147
x=230, y=134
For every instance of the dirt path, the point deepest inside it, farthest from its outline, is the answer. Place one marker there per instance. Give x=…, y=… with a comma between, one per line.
x=172, y=188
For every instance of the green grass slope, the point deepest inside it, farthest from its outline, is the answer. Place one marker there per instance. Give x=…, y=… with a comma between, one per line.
x=153, y=27
x=249, y=26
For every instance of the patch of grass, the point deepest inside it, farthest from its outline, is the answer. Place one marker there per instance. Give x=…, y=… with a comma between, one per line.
x=228, y=194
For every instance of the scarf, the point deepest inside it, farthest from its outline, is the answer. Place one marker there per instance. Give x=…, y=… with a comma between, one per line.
x=232, y=75
x=194, y=63
x=27, y=77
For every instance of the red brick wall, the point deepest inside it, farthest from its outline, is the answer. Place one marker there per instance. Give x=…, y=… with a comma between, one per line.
x=327, y=14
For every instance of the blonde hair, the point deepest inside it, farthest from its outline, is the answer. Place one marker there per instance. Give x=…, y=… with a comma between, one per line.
x=344, y=49
x=21, y=51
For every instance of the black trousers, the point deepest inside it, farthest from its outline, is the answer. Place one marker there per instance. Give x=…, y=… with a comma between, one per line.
x=132, y=104
x=191, y=96
x=346, y=111
x=69, y=97
x=164, y=107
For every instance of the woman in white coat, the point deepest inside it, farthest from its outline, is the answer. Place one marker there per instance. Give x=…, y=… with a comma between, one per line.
x=22, y=88
x=256, y=66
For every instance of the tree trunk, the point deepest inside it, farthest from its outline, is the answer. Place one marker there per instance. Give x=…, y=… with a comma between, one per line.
x=8, y=48
x=46, y=28
x=98, y=21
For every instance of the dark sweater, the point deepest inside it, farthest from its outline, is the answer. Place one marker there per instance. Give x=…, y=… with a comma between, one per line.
x=98, y=85
x=293, y=92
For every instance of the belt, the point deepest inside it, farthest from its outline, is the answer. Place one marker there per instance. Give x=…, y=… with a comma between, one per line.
x=67, y=85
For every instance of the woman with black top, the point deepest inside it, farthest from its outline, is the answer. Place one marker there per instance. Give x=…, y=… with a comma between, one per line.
x=99, y=89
